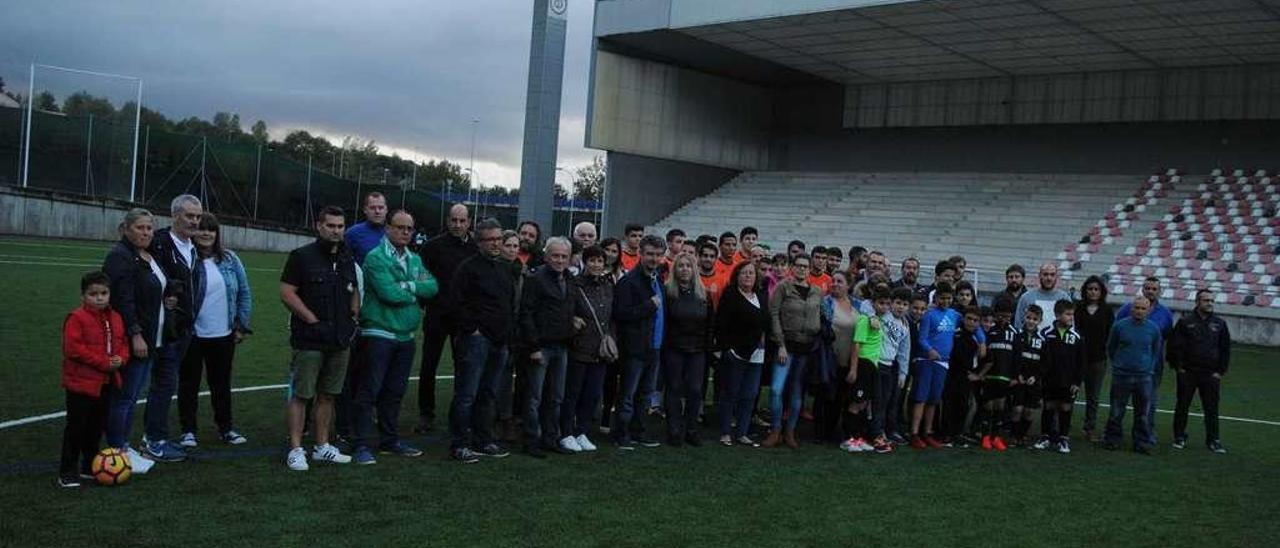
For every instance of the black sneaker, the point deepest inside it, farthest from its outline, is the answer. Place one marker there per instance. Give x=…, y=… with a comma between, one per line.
x=493, y=451
x=424, y=426
x=535, y=451
x=1142, y=450
x=464, y=455
x=558, y=449
x=68, y=480
x=647, y=442
x=1216, y=447
x=626, y=443
x=693, y=440
x=675, y=440
x=1179, y=443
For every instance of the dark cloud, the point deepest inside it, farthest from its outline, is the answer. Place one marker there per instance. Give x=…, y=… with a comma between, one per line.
x=411, y=74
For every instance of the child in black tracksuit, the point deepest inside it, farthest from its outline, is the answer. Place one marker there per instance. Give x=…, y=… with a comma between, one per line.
x=999, y=371
x=958, y=390
x=1026, y=389
x=1064, y=364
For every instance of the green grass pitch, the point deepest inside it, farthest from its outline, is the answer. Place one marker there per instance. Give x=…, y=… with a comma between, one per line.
x=710, y=496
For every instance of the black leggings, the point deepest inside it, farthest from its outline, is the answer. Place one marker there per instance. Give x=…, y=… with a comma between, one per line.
x=85, y=418
x=211, y=358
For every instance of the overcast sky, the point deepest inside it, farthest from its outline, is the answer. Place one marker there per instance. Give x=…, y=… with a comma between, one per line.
x=410, y=74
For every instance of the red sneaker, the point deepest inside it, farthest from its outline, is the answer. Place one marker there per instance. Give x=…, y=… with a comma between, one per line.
x=998, y=443
x=933, y=442
x=918, y=442
x=986, y=443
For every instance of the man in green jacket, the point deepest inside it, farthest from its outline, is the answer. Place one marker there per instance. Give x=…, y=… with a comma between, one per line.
x=394, y=282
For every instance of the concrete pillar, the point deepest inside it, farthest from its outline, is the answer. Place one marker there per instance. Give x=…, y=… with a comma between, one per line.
x=542, y=111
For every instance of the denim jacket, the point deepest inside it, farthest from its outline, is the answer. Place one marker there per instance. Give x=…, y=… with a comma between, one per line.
x=239, y=298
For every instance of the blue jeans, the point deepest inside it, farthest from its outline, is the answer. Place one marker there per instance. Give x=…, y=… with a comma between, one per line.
x=584, y=385
x=788, y=377
x=683, y=401
x=738, y=395
x=477, y=366
x=164, y=384
x=1152, y=437
x=1124, y=387
x=544, y=393
x=883, y=419
x=637, y=373
x=122, y=400
x=380, y=384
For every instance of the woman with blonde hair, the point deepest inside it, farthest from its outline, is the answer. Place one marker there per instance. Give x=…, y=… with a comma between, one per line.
x=686, y=339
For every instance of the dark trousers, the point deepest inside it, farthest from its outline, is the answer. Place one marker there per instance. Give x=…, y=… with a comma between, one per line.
x=1123, y=388
x=477, y=364
x=738, y=394
x=609, y=392
x=1094, y=374
x=956, y=396
x=433, y=336
x=883, y=417
x=682, y=399
x=583, y=387
x=380, y=386
x=1189, y=382
x=85, y=418
x=637, y=373
x=342, y=403
x=164, y=383
x=210, y=358
x=544, y=394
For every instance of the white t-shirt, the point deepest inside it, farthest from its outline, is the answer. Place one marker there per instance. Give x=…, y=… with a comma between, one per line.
x=186, y=249
x=214, y=320
x=155, y=269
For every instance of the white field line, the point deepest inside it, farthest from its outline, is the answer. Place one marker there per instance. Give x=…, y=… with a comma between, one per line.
x=61, y=414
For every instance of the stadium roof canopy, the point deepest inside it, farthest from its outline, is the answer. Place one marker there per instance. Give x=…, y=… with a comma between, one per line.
x=882, y=41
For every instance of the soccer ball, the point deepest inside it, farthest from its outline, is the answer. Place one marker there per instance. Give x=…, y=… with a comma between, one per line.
x=111, y=467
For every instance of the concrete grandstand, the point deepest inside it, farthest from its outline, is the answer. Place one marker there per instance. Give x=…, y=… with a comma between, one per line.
x=1076, y=131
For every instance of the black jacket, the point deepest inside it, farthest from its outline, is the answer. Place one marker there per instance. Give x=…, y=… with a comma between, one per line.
x=1200, y=344
x=326, y=282
x=1030, y=350
x=598, y=292
x=1002, y=360
x=442, y=255
x=135, y=291
x=633, y=312
x=481, y=297
x=1095, y=328
x=740, y=326
x=964, y=355
x=546, y=311
x=1063, y=358
x=688, y=322
x=184, y=282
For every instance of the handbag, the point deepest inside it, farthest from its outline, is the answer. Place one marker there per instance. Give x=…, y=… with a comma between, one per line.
x=608, y=347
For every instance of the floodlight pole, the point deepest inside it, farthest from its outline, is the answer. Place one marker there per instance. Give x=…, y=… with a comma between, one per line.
x=137, y=122
x=257, y=178
x=88, y=156
x=31, y=101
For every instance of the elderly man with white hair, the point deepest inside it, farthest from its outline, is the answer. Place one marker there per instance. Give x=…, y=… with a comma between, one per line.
x=174, y=250
x=546, y=327
x=584, y=236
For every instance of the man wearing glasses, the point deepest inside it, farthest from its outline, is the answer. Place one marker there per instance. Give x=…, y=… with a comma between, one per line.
x=480, y=297
x=389, y=318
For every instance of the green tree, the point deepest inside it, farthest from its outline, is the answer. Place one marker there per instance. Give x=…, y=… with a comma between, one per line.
x=47, y=102
x=81, y=103
x=227, y=125
x=588, y=180
x=259, y=132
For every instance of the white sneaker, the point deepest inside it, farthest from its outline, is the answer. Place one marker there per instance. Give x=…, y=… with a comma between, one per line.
x=188, y=440
x=855, y=445
x=585, y=443
x=863, y=446
x=329, y=453
x=570, y=443
x=139, y=464
x=297, y=460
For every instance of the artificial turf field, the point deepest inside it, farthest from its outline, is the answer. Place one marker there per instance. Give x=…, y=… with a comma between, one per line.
x=709, y=496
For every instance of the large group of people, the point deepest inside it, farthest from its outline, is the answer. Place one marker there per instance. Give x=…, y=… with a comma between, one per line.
x=556, y=340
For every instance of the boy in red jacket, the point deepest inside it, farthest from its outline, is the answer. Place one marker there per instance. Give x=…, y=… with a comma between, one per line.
x=93, y=349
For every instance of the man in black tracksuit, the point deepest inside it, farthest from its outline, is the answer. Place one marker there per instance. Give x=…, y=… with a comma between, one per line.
x=441, y=256
x=481, y=297
x=1199, y=350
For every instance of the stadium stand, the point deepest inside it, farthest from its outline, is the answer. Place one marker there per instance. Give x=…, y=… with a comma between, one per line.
x=931, y=216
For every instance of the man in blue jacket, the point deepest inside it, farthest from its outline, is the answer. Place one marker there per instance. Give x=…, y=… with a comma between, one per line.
x=1162, y=317
x=1134, y=350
